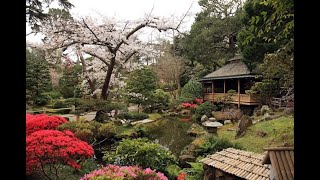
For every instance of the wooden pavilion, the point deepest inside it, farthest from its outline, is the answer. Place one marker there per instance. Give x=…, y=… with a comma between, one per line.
x=235, y=75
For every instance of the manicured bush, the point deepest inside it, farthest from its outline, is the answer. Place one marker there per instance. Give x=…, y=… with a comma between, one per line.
x=54, y=148
x=132, y=116
x=41, y=100
x=213, y=144
x=90, y=130
x=112, y=172
x=141, y=152
x=193, y=89
x=204, y=109
x=53, y=94
x=42, y=122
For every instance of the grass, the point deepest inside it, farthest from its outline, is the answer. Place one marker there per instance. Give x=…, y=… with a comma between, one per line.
x=154, y=116
x=278, y=131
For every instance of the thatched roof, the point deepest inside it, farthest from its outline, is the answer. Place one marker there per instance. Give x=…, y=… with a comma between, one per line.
x=282, y=162
x=244, y=164
x=234, y=69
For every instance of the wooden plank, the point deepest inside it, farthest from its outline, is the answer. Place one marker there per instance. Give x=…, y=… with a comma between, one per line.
x=238, y=93
x=279, y=148
x=212, y=91
x=275, y=165
x=290, y=162
x=286, y=166
x=281, y=165
x=292, y=156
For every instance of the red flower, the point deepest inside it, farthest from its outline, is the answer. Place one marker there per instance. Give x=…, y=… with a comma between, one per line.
x=198, y=100
x=182, y=176
x=42, y=121
x=53, y=146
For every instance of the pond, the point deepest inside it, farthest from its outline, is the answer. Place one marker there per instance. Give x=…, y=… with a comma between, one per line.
x=170, y=133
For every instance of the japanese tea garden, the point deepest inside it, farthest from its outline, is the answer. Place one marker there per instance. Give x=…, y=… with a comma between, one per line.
x=153, y=98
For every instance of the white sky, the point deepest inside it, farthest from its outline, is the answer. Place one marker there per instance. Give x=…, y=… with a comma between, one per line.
x=132, y=9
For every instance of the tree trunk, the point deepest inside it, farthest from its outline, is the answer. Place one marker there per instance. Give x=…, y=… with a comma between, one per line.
x=84, y=71
x=105, y=88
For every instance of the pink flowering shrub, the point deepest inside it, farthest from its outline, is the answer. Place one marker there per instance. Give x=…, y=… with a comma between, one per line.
x=198, y=100
x=112, y=172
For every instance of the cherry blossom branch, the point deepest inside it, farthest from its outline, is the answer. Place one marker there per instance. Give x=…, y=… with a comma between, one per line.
x=97, y=56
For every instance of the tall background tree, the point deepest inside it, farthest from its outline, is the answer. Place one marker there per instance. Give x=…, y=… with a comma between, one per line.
x=35, y=12
x=37, y=74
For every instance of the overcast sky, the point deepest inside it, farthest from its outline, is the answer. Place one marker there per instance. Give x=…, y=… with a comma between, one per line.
x=131, y=9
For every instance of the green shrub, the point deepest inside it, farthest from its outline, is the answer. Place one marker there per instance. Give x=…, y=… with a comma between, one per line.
x=193, y=89
x=203, y=109
x=41, y=100
x=141, y=152
x=59, y=104
x=107, y=130
x=84, y=130
x=195, y=172
x=173, y=171
x=132, y=116
x=53, y=94
x=214, y=144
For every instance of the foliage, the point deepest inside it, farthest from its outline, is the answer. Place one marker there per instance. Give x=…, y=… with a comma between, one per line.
x=192, y=89
x=41, y=100
x=266, y=89
x=132, y=116
x=53, y=94
x=141, y=152
x=194, y=173
x=214, y=144
x=226, y=99
x=212, y=36
x=90, y=131
x=37, y=75
x=70, y=81
x=173, y=171
x=140, y=85
x=111, y=172
x=158, y=100
x=54, y=147
x=204, y=109
x=42, y=122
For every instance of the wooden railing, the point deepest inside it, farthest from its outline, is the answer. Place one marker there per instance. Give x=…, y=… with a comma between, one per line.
x=247, y=99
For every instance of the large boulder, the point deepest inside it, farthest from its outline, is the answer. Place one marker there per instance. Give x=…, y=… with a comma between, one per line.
x=244, y=123
x=183, y=159
x=227, y=122
x=288, y=111
x=196, y=130
x=265, y=109
x=204, y=118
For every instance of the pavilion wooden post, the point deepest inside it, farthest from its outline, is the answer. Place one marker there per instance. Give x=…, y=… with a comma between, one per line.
x=224, y=87
x=212, y=91
x=203, y=90
x=238, y=93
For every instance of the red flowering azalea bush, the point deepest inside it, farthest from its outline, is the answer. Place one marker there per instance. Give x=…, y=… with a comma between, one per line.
x=55, y=148
x=112, y=172
x=42, y=121
x=182, y=176
x=188, y=105
x=198, y=100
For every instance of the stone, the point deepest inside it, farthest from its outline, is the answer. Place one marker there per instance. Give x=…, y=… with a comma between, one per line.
x=227, y=122
x=204, y=118
x=186, y=112
x=267, y=116
x=244, y=123
x=101, y=116
x=212, y=119
x=211, y=126
x=264, y=109
x=196, y=130
x=261, y=133
x=183, y=159
x=231, y=129
x=288, y=111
